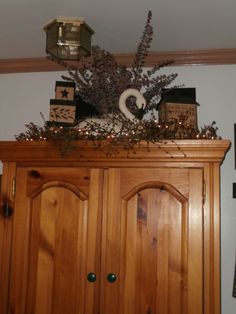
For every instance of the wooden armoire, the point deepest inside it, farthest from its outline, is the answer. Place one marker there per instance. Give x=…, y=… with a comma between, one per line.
x=137, y=232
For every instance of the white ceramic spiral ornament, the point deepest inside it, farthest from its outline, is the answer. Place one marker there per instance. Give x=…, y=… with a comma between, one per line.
x=140, y=102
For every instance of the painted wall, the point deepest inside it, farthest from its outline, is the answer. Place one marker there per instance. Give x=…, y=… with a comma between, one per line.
x=24, y=96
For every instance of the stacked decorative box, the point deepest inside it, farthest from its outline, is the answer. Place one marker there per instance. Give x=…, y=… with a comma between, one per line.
x=63, y=107
x=177, y=104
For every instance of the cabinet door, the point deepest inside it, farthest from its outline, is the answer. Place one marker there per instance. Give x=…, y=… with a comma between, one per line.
x=53, y=244
x=154, y=241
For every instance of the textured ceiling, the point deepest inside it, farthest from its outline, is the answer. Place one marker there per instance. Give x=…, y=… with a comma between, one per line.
x=178, y=24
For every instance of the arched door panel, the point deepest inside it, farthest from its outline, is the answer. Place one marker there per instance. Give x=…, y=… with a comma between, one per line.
x=53, y=244
x=154, y=228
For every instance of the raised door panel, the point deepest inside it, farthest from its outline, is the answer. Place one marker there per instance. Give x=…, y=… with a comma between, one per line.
x=51, y=240
x=155, y=252
x=156, y=222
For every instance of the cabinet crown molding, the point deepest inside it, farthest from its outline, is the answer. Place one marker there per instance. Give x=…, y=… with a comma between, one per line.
x=169, y=151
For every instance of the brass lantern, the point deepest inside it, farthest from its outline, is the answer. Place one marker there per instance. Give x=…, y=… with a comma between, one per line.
x=68, y=39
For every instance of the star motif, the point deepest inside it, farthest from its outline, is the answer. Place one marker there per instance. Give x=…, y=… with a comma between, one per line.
x=64, y=93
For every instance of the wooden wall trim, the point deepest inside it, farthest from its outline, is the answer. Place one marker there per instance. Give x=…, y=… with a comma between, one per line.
x=180, y=58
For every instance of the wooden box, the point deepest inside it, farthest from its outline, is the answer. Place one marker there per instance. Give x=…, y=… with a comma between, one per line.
x=62, y=112
x=170, y=112
x=64, y=90
x=178, y=105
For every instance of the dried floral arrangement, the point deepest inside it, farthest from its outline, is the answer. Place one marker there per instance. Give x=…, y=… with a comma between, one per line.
x=100, y=80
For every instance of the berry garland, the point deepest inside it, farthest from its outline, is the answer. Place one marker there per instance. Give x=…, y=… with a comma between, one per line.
x=117, y=132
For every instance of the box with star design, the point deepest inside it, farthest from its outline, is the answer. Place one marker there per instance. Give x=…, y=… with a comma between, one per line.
x=64, y=90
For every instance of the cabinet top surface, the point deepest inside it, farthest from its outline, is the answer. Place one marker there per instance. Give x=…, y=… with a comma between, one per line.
x=170, y=151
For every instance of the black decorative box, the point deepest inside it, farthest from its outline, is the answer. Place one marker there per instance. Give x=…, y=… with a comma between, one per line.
x=178, y=104
x=64, y=90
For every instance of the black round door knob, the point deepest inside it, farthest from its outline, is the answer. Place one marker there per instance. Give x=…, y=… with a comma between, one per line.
x=7, y=210
x=111, y=277
x=91, y=277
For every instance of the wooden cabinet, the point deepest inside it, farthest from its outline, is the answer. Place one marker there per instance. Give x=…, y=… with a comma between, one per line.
x=133, y=233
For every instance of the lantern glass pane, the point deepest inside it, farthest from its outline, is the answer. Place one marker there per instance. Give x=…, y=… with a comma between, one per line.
x=51, y=41
x=72, y=33
x=67, y=52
